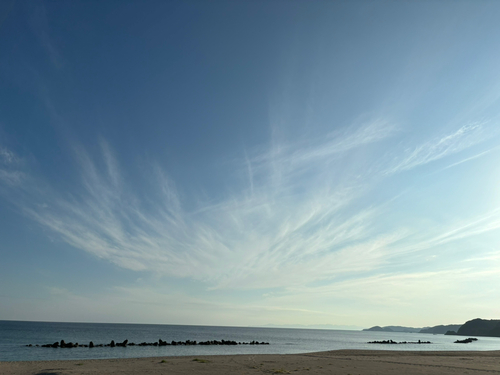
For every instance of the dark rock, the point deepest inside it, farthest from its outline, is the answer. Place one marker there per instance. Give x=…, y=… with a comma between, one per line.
x=466, y=341
x=122, y=344
x=160, y=342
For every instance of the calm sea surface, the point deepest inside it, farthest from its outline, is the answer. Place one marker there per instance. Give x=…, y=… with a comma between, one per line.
x=15, y=335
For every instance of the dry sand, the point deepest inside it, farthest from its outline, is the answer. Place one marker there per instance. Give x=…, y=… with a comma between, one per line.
x=343, y=362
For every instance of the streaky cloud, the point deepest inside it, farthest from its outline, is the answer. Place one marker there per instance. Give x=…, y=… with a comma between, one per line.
x=440, y=147
x=10, y=174
x=295, y=219
x=481, y=154
x=249, y=239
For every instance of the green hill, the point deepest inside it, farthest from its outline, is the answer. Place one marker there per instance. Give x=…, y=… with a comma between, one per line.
x=480, y=327
x=441, y=329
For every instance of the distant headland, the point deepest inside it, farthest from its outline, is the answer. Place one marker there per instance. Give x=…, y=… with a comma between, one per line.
x=475, y=327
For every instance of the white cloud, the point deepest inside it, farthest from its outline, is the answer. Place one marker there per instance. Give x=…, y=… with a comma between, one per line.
x=449, y=144
x=9, y=172
x=266, y=235
x=449, y=233
x=481, y=154
x=296, y=220
x=7, y=156
x=405, y=298
x=11, y=177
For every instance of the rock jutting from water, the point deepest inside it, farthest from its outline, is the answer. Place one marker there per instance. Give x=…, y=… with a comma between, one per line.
x=466, y=341
x=160, y=342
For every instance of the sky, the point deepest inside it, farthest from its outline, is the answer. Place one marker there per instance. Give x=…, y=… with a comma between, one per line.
x=250, y=163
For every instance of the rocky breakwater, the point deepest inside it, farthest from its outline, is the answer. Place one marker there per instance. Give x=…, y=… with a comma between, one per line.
x=399, y=343
x=160, y=342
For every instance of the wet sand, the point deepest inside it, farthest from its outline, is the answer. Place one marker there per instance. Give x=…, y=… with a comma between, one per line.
x=345, y=362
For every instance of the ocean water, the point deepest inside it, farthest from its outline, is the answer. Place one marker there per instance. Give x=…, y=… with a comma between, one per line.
x=14, y=336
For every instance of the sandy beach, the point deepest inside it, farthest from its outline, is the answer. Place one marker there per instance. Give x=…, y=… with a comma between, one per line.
x=345, y=362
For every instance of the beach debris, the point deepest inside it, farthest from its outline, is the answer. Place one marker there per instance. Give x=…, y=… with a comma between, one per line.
x=466, y=341
x=399, y=343
x=160, y=342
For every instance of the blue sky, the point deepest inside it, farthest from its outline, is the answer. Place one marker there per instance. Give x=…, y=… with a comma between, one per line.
x=250, y=163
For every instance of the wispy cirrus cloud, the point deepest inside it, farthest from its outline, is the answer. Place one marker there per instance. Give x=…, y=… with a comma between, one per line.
x=440, y=147
x=9, y=168
x=12, y=178
x=268, y=234
x=479, y=155
x=439, y=236
x=295, y=218
x=7, y=156
x=410, y=293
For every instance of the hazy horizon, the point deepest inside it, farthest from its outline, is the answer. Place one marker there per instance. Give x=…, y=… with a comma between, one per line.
x=269, y=325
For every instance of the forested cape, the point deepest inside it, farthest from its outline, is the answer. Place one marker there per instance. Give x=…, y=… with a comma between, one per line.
x=474, y=327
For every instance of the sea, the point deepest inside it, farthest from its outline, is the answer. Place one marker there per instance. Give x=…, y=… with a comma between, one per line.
x=15, y=335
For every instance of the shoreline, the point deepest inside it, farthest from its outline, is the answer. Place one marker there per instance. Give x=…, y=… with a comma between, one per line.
x=347, y=361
